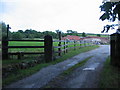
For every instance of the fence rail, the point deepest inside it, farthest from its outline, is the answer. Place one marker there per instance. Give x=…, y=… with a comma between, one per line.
x=25, y=46
x=66, y=45
x=63, y=46
x=29, y=40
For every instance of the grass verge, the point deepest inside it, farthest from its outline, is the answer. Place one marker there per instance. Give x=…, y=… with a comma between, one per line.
x=67, y=72
x=72, y=53
x=26, y=72
x=110, y=76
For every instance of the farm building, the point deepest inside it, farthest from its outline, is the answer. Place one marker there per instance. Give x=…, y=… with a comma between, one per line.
x=71, y=37
x=94, y=39
x=101, y=40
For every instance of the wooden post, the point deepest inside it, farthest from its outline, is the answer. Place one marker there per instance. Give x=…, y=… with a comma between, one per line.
x=67, y=46
x=80, y=44
x=117, y=60
x=59, y=49
x=64, y=46
x=74, y=44
x=5, y=45
x=112, y=50
x=48, y=42
x=84, y=43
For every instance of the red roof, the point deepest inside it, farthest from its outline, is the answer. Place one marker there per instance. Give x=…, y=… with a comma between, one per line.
x=70, y=37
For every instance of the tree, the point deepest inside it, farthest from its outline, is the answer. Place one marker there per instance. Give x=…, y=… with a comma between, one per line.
x=3, y=31
x=111, y=13
x=98, y=35
x=83, y=34
x=69, y=31
x=57, y=31
x=17, y=36
x=21, y=31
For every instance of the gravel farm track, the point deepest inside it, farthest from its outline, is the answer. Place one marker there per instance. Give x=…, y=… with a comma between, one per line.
x=86, y=76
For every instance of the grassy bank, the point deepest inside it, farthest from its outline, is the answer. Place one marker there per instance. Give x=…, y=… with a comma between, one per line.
x=26, y=72
x=110, y=76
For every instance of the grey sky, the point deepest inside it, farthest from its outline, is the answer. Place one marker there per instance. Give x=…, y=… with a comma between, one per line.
x=42, y=15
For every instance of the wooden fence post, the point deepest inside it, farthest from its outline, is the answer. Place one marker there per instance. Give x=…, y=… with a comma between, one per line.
x=48, y=42
x=64, y=47
x=59, y=49
x=74, y=45
x=84, y=43
x=67, y=46
x=80, y=44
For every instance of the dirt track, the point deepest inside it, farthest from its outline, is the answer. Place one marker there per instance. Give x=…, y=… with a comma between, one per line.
x=80, y=78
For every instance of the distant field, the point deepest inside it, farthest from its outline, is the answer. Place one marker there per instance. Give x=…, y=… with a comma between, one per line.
x=101, y=35
x=95, y=35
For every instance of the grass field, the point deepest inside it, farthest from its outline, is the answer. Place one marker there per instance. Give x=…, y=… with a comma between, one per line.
x=16, y=43
x=102, y=35
x=13, y=59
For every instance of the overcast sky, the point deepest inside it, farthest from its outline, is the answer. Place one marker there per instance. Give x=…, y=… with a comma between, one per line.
x=42, y=15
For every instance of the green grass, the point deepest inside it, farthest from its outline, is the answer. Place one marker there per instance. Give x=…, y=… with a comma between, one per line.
x=110, y=76
x=69, y=71
x=72, y=53
x=26, y=72
x=22, y=73
x=20, y=43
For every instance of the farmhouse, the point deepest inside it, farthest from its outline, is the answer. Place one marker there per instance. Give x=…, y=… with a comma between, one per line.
x=71, y=37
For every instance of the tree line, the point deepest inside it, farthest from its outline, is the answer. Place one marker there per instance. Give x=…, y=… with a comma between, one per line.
x=32, y=34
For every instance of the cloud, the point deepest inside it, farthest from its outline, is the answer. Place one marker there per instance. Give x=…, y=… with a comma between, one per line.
x=41, y=15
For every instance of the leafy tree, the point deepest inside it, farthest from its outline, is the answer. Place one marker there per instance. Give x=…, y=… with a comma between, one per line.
x=111, y=13
x=98, y=35
x=17, y=36
x=21, y=31
x=57, y=31
x=0, y=31
x=3, y=31
x=69, y=31
x=83, y=34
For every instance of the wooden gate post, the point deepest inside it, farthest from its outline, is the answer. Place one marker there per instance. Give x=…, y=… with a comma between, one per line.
x=117, y=60
x=112, y=48
x=48, y=42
